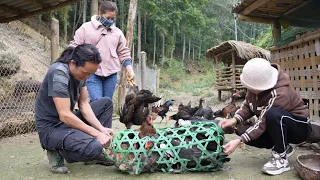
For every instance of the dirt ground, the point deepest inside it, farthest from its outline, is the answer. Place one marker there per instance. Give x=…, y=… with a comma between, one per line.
x=22, y=158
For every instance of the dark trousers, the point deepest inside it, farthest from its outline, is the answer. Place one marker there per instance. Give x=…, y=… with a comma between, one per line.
x=282, y=128
x=75, y=145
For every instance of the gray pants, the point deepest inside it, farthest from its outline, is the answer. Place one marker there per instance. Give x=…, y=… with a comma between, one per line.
x=75, y=145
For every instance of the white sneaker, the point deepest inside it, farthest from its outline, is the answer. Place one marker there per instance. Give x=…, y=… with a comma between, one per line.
x=276, y=165
x=290, y=151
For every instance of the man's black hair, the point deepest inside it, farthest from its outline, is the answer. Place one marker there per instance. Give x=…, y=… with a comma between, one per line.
x=81, y=54
x=66, y=55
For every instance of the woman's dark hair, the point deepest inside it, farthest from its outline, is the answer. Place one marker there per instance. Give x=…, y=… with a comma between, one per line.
x=108, y=6
x=81, y=54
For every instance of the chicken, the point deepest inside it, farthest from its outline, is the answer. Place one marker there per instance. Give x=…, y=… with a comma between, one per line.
x=136, y=107
x=200, y=112
x=147, y=129
x=208, y=113
x=164, y=108
x=227, y=112
x=190, y=110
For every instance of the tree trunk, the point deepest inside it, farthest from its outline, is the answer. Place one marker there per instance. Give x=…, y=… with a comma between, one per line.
x=184, y=47
x=145, y=29
x=74, y=18
x=193, y=52
x=174, y=42
x=189, y=50
x=154, y=45
x=163, y=54
x=94, y=7
x=65, y=26
x=235, y=28
x=80, y=14
x=129, y=37
x=132, y=51
x=122, y=14
x=139, y=38
x=200, y=43
x=84, y=11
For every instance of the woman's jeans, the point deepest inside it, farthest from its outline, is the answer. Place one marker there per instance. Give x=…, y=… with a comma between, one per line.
x=99, y=86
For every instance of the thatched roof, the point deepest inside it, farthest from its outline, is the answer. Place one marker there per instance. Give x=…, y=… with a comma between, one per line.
x=243, y=51
x=11, y=10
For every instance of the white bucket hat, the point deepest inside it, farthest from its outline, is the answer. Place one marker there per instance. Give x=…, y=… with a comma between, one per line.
x=258, y=74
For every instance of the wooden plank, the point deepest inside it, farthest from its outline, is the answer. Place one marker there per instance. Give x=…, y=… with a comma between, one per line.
x=310, y=95
x=253, y=6
x=276, y=31
x=255, y=19
x=233, y=54
x=22, y=14
x=37, y=3
x=297, y=7
x=9, y=9
x=317, y=47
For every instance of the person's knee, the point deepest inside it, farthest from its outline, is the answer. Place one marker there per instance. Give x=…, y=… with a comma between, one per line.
x=273, y=116
x=93, y=149
x=107, y=100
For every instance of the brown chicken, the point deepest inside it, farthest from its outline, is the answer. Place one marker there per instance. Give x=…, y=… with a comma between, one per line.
x=229, y=110
x=147, y=129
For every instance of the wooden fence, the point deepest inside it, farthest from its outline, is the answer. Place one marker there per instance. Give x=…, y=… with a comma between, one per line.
x=228, y=79
x=301, y=60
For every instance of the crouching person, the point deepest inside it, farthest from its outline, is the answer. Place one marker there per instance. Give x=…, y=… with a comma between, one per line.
x=67, y=135
x=282, y=115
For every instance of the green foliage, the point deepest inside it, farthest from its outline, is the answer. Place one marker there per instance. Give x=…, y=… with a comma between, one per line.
x=9, y=63
x=265, y=40
x=206, y=23
x=179, y=78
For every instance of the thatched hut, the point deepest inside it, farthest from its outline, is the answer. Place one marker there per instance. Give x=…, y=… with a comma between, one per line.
x=234, y=54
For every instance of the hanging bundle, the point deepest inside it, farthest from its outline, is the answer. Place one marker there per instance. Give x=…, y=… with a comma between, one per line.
x=197, y=147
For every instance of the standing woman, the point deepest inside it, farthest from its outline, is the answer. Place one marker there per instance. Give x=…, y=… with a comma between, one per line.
x=110, y=41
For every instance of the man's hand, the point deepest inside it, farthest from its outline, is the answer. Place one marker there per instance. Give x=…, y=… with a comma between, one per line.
x=104, y=139
x=107, y=131
x=227, y=123
x=231, y=146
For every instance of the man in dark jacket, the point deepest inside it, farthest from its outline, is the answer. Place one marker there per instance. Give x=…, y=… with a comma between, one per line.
x=282, y=115
x=65, y=134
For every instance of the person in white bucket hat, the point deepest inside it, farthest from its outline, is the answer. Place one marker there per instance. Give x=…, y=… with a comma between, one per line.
x=283, y=117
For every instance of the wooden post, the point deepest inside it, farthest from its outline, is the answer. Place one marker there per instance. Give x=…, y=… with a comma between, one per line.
x=276, y=31
x=233, y=66
x=94, y=7
x=143, y=66
x=54, y=39
x=158, y=82
x=217, y=76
